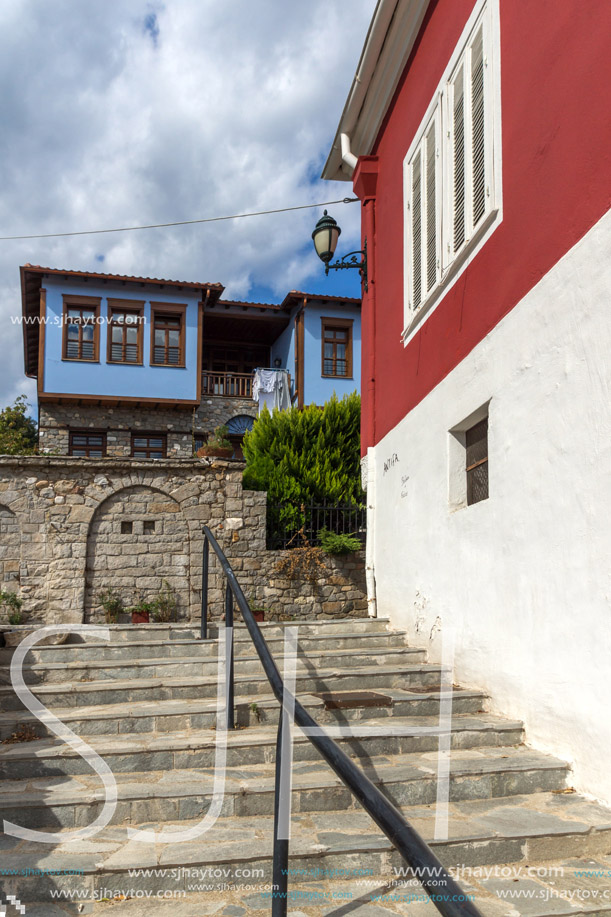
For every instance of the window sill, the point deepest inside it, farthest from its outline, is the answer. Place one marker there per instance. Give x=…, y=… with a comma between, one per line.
x=79, y=360
x=124, y=363
x=168, y=365
x=343, y=378
x=453, y=272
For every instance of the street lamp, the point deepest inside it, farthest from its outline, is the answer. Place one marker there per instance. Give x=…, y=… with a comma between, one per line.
x=325, y=236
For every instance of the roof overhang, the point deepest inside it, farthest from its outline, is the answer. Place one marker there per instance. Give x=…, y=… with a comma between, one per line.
x=388, y=45
x=32, y=278
x=298, y=298
x=246, y=322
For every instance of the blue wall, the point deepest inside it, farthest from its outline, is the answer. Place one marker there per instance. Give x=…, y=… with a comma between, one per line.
x=284, y=348
x=319, y=389
x=112, y=379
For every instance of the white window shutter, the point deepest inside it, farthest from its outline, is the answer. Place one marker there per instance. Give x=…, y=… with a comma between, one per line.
x=416, y=224
x=478, y=128
x=432, y=195
x=458, y=170
x=451, y=171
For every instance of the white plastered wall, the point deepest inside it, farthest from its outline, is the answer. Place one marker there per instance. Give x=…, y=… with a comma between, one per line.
x=521, y=581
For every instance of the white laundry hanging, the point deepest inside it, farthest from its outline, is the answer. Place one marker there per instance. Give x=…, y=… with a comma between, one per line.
x=270, y=389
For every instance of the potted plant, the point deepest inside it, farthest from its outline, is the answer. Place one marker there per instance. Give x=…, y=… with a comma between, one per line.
x=258, y=611
x=218, y=444
x=141, y=612
x=166, y=605
x=12, y=602
x=112, y=605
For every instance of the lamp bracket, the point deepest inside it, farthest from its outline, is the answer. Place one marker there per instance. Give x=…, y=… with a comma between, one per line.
x=352, y=262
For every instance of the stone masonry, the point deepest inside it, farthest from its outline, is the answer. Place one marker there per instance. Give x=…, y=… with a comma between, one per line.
x=180, y=426
x=70, y=528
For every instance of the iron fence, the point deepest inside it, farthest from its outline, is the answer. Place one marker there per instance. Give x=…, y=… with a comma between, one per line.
x=295, y=525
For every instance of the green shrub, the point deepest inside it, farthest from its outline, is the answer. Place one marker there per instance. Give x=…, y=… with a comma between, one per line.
x=303, y=456
x=12, y=602
x=166, y=604
x=332, y=543
x=112, y=605
x=220, y=438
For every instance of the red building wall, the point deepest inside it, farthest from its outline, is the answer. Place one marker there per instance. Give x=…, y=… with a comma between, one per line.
x=556, y=168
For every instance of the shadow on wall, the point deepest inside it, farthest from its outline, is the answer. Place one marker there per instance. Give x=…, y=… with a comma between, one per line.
x=138, y=538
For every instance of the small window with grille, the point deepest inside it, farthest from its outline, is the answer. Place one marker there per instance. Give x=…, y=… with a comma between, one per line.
x=81, y=328
x=476, y=448
x=87, y=445
x=125, y=332
x=149, y=445
x=168, y=336
x=337, y=348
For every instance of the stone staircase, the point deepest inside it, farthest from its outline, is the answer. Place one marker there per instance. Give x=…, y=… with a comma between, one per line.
x=146, y=702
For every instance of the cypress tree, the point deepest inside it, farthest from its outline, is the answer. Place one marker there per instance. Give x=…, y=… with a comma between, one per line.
x=302, y=456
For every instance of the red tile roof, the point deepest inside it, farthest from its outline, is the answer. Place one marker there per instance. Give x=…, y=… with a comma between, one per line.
x=38, y=269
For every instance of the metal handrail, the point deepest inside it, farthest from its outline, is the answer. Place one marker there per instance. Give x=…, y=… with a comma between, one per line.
x=445, y=893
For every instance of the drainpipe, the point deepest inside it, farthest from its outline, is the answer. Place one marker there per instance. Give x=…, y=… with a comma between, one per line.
x=347, y=157
x=370, y=571
x=364, y=183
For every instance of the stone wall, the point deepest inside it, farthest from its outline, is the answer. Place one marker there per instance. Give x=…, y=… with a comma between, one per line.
x=338, y=590
x=180, y=426
x=70, y=528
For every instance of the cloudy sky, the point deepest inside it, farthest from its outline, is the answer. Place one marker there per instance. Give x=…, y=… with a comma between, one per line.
x=126, y=112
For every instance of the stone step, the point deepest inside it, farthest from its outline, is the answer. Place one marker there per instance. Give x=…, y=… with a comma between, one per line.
x=144, y=632
x=196, y=749
x=160, y=667
x=153, y=648
x=517, y=830
x=179, y=715
x=247, y=687
x=407, y=780
x=560, y=890
x=551, y=889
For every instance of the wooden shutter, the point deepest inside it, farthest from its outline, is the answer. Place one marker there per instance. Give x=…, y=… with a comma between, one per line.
x=424, y=214
x=416, y=222
x=457, y=96
x=468, y=146
x=478, y=128
x=431, y=207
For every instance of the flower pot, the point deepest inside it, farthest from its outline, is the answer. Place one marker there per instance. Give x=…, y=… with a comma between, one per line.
x=140, y=617
x=258, y=614
x=217, y=451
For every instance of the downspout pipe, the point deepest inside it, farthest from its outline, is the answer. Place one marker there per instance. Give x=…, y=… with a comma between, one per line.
x=348, y=157
x=365, y=186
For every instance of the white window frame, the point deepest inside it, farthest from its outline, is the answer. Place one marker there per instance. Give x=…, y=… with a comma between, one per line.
x=450, y=262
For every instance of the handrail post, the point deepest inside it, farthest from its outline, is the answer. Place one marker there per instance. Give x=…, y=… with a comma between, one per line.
x=205, y=562
x=229, y=623
x=281, y=845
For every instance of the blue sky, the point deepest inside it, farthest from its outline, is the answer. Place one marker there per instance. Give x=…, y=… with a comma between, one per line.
x=125, y=112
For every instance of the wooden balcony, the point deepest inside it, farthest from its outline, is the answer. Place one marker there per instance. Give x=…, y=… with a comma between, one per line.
x=227, y=385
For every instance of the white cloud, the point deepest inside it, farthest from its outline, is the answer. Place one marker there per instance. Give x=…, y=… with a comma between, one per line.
x=126, y=112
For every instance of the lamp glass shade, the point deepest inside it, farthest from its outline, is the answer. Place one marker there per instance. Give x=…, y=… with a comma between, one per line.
x=325, y=236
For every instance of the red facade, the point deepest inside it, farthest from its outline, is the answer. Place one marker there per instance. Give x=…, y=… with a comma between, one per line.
x=555, y=70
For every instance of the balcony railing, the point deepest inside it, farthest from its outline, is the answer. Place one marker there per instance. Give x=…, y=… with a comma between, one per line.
x=229, y=385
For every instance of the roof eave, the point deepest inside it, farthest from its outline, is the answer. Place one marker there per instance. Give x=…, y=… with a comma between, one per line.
x=388, y=45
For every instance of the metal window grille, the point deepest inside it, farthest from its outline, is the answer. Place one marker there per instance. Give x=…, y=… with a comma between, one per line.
x=476, y=441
